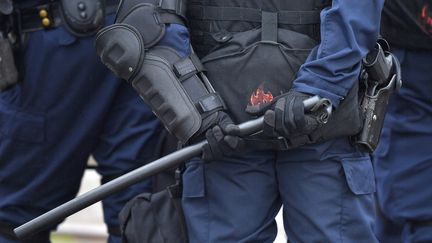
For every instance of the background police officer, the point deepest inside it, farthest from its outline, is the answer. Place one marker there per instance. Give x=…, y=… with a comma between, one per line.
x=403, y=161
x=66, y=106
x=325, y=186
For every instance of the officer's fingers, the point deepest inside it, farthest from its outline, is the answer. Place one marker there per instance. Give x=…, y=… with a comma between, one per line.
x=218, y=133
x=207, y=153
x=280, y=104
x=269, y=118
x=232, y=142
x=232, y=129
x=210, y=136
x=269, y=123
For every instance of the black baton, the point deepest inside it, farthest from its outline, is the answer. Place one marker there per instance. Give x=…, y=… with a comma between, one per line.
x=59, y=213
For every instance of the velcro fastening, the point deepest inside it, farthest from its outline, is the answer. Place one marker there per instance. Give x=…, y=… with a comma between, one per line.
x=184, y=68
x=210, y=102
x=269, y=26
x=187, y=66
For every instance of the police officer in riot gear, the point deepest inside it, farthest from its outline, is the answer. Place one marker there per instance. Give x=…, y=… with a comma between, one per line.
x=403, y=160
x=259, y=58
x=65, y=106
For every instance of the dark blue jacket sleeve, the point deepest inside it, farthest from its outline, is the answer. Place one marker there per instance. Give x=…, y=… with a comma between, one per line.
x=349, y=29
x=177, y=37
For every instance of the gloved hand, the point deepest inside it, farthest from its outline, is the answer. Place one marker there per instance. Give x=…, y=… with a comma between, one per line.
x=288, y=118
x=219, y=130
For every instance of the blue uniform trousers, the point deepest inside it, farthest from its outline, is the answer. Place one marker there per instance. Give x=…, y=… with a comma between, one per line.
x=326, y=191
x=403, y=160
x=67, y=107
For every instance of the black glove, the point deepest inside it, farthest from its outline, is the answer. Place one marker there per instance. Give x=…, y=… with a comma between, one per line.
x=289, y=119
x=221, y=143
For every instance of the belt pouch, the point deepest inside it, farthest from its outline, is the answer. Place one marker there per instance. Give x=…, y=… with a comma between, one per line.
x=83, y=17
x=8, y=70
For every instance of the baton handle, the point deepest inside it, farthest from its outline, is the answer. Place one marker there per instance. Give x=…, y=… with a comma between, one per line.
x=253, y=126
x=59, y=213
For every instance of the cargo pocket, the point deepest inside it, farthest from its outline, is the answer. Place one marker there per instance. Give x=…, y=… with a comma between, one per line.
x=193, y=180
x=359, y=175
x=194, y=202
x=19, y=125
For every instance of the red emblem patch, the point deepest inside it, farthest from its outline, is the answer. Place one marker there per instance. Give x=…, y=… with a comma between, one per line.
x=426, y=18
x=260, y=96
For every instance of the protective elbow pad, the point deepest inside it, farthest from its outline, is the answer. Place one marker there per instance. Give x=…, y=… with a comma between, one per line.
x=149, y=17
x=169, y=84
x=121, y=48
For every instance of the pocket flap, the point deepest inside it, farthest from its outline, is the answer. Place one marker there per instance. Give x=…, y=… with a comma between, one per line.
x=193, y=180
x=359, y=175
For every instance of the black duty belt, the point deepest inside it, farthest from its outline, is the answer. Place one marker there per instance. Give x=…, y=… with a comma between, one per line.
x=259, y=142
x=49, y=15
x=252, y=15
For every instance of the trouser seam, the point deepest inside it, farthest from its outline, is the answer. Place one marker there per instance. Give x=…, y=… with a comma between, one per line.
x=206, y=199
x=341, y=223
